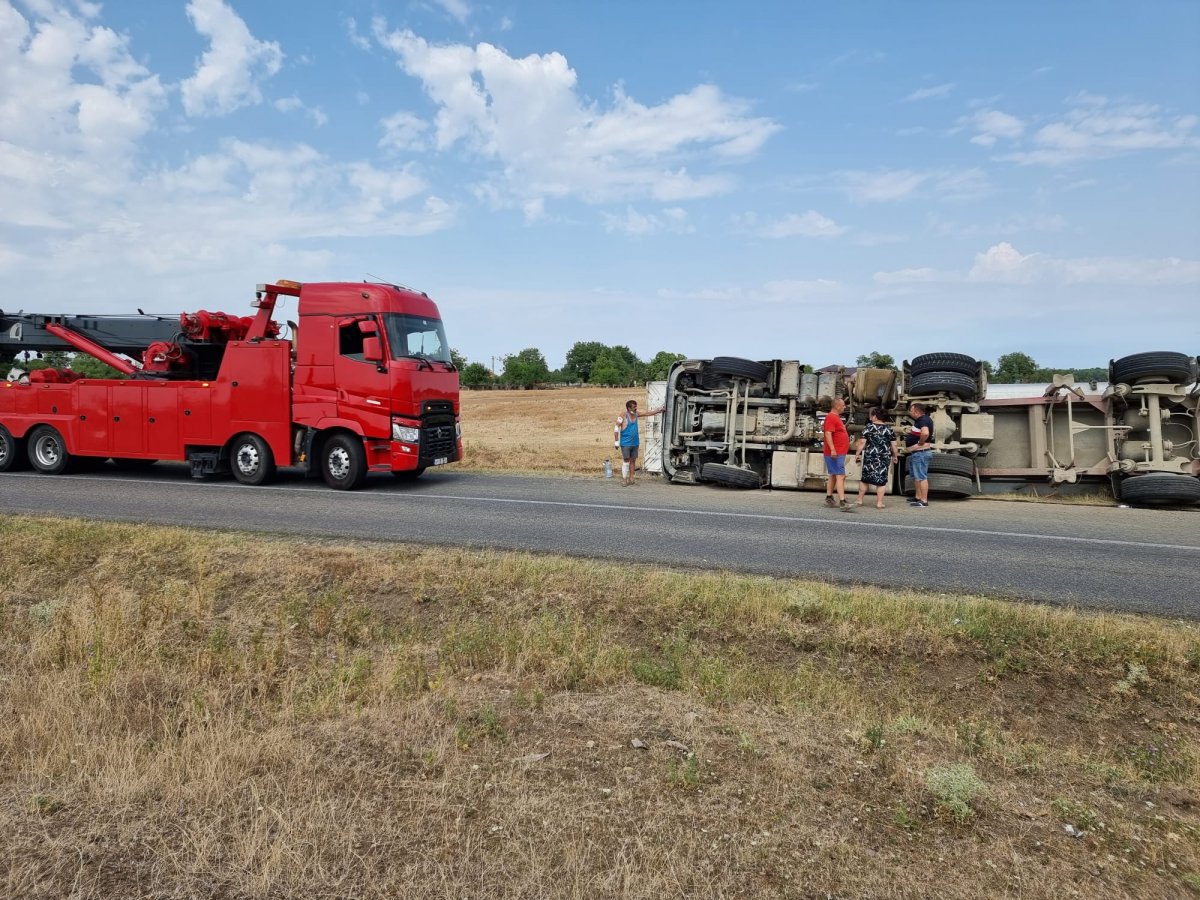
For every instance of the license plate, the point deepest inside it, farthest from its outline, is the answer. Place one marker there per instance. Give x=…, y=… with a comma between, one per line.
x=441, y=460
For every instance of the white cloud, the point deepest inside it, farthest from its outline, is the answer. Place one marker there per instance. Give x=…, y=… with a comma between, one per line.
x=1003, y=264
x=227, y=76
x=356, y=37
x=901, y=184
x=403, y=131
x=527, y=116
x=1095, y=128
x=783, y=291
x=295, y=104
x=459, y=10
x=929, y=93
x=96, y=120
x=633, y=222
x=807, y=224
x=992, y=125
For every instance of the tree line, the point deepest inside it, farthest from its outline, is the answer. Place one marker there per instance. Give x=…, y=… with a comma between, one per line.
x=588, y=362
x=1010, y=368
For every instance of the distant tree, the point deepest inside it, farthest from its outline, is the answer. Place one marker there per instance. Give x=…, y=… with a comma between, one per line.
x=474, y=375
x=1015, y=368
x=637, y=368
x=612, y=368
x=657, y=368
x=458, y=359
x=875, y=360
x=90, y=367
x=526, y=368
x=580, y=359
x=49, y=359
x=989, y=368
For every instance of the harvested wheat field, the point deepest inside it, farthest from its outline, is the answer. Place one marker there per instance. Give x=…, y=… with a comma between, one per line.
x=199, y=715
x=567, y=431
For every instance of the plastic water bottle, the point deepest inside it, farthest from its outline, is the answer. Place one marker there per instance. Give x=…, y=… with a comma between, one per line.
x=607, y=467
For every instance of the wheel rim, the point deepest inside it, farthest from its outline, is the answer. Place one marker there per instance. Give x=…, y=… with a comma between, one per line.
x=47, y=451
x=247, y=459
x=4, y=452
x=338, y=461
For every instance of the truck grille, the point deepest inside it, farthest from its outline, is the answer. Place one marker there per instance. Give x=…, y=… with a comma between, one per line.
x=437, y=441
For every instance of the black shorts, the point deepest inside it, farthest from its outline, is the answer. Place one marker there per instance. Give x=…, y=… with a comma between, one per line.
x=629, y=452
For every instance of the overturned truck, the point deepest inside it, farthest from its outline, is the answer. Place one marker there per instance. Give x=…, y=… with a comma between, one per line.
x=751, y=424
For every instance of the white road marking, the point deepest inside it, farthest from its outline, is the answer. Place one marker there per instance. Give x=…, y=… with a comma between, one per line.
x=626, y=508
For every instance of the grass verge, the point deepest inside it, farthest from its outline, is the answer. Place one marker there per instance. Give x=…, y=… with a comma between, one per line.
x=194, y=715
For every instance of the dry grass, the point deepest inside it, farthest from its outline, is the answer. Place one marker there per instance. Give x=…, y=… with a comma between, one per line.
x=197, y=715
x=565, y=432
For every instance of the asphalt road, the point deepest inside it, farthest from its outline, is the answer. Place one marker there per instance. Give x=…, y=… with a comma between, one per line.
x=1133, y=560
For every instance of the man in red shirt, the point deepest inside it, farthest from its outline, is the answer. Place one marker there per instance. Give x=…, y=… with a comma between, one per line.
x=837, y=445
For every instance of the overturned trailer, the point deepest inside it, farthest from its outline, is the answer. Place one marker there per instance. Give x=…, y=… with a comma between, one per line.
x=751, y=424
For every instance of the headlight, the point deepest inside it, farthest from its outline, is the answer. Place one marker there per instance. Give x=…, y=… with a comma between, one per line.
x=458, y=431
x=405, y=434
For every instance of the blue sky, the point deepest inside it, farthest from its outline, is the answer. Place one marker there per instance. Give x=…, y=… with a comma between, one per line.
x=770, y=180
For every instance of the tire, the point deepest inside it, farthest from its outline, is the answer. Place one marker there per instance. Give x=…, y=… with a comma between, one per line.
x=944, y=362
x=951, y=464
x=1161, y=489
x=730, y=476
x=942, y=484
x=409, y=474
x=1175, y=368
x=739, y=368
x=251, y=460
x=962, y=386
x=132, y=465
x=12, y=452
x=47, y=451
x=344, y=462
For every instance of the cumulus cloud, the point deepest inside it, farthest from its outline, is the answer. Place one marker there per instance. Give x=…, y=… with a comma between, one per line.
x=227, y=76
x=459, y=10
x=79, y=200
x=526, y=115
x=96, y=119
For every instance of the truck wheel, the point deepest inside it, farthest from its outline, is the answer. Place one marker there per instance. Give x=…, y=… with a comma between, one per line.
x=944, y=362
x=251, y=460
x=1161, y=489
x=409, y=474
x=730, y=476
x=952, y=464
x=943, y=485
x=1174, y=368
x=47, y=451
x=12, y=452
x=343, y=462
x=962, y=386
x=739, y=368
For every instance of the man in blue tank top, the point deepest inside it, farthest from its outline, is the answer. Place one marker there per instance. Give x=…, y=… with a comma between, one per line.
x=627, y=440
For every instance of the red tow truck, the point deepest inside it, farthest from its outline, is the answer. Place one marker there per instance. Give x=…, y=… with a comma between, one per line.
x=364, y=383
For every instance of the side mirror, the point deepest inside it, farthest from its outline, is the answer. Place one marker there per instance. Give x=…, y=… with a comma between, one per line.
x=372, y=350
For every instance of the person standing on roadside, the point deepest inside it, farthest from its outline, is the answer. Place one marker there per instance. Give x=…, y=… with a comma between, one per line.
x=836, y=446
x=627, y=440
x=919, y=447
x=878, y=451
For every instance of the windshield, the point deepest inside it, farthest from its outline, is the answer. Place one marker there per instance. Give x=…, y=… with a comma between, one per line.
x=416, y=337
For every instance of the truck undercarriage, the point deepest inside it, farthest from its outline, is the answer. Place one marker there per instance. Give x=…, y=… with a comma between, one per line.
x=750, y=424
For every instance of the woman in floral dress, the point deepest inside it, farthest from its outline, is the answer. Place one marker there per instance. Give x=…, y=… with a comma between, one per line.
x=878, y=451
